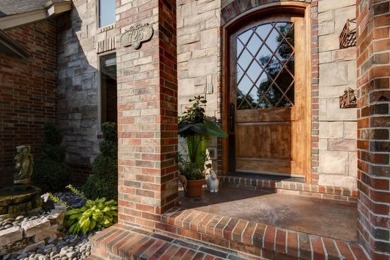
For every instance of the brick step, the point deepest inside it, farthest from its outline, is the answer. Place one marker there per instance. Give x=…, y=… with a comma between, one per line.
x=290, y=187
x=257, y=239
x=130, y=242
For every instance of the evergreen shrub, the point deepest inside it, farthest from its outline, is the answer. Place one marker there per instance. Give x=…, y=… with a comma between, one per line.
x=104, y=179
x=50, y=171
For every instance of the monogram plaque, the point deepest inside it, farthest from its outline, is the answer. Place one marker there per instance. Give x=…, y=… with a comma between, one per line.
x=136, y=35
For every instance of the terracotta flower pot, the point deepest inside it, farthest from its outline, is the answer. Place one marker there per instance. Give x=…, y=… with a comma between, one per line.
x=194, y=188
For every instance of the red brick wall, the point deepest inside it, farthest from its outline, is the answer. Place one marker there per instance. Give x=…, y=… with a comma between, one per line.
x=373, y=68
x=27, y=92
x=147, y=115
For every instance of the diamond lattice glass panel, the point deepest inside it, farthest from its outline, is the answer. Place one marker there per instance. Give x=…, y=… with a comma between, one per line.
x=265, y=66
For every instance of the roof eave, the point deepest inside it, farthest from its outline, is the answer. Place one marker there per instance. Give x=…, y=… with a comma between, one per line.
x=51, y=10
x=10, y=46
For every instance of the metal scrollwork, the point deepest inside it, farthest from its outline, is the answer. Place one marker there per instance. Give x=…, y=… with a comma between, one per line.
x=136, y=35
x=348, y=100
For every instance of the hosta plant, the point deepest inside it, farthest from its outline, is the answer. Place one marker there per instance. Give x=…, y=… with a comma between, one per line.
x=95, y=214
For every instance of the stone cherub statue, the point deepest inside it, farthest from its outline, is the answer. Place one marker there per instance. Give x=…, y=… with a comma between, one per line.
x=24, y=165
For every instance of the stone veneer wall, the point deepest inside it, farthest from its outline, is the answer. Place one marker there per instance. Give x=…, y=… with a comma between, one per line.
x=28, y=89
x=199, y=55
x=80, y=42
x=373, y=66
x=337, y=71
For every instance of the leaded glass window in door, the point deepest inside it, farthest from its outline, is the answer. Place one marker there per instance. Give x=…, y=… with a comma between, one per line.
x=265, y=66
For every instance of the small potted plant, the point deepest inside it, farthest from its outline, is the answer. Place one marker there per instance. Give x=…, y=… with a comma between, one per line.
x=197, y=129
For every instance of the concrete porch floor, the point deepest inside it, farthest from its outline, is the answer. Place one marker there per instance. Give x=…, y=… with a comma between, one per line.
x=326, y=218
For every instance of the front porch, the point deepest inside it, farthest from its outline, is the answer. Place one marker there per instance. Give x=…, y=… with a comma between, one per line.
x=248, y=219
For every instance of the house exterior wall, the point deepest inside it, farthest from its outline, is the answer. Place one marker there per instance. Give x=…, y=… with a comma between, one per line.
x=337, y=71
x=28, y=91
x=200, y=72
x=80, y=42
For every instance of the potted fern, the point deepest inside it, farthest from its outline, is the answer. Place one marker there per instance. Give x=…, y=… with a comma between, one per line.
x=197, y=129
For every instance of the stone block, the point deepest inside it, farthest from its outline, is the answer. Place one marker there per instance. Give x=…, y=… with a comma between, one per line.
x=339, y=144
x=202, y=67
x=337, y=180
x=342, y=15
x=329, y=42
x=344, y=54
x=352, y=74
x=331, y=91
x=333, y=162
x=209, y=38
x=350, y=130
x=330, y=110
x=188, y=38
x=326, y=28
x=183, y=57
x=334, y=74
x=56, y=216
x=10, y=235
x=35, y=226
x=352, y=164
x=50, y=232
x=331, y=129
x=325, y=57
x=186, y=87
x=326, y=5
x=327, y=16
x=199, y=18
x=323, y=144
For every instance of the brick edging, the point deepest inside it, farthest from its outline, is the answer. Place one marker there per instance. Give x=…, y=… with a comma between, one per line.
x=257, y=238
x=296, y=188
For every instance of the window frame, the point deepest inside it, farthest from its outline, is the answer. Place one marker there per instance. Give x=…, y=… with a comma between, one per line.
x=99, y=83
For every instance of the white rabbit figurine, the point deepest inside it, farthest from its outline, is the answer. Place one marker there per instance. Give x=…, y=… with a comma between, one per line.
x=212, y=182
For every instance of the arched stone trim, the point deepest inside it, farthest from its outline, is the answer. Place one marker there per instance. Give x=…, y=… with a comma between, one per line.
x=238, y=7
x=238, y=11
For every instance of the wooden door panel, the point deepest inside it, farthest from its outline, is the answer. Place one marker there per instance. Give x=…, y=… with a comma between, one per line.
x=269, y=166
x=279, y=114
x=267, y=91
x=251, y=141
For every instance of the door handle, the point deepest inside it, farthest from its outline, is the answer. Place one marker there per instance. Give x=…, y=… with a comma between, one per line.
x=232, y=108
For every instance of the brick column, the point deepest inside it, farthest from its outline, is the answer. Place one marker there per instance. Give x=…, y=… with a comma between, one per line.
x=147, y=113
x=373, y=68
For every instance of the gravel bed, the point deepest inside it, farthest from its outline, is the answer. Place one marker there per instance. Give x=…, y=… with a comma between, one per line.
x=67, y=247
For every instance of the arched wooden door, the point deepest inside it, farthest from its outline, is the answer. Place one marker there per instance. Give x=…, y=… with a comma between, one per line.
x=268, y=97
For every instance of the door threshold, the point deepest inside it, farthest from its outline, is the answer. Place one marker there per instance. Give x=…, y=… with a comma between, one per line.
x=265, y=176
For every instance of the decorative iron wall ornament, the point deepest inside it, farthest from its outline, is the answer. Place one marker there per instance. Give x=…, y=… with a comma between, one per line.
x=348, y=35
x=136, y=35
x=348, y=100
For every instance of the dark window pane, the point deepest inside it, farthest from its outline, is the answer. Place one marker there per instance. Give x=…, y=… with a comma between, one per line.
x=108, y=88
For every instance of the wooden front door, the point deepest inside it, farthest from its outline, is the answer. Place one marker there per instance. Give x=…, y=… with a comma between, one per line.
x=268, y=98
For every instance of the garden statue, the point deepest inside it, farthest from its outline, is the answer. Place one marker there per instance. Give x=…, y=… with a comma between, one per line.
x=24, y=165
x=212, y=182
x=183, y=181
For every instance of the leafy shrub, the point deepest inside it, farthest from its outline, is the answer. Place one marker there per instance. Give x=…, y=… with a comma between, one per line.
x=104, y=180
x=50, y=171
x=93, y=215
